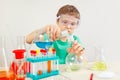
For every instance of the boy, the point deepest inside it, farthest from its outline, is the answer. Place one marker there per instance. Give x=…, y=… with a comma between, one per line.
x=67, y=20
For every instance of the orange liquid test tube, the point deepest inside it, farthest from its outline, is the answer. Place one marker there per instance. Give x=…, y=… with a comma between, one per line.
x=49, y=66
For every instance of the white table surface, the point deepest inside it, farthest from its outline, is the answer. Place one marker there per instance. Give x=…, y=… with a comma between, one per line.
x=84, y=73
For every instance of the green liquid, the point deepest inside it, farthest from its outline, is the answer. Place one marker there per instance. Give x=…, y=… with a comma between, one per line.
x=75, y=67
x=100, y=66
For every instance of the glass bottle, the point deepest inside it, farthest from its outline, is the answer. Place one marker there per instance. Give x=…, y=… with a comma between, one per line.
x=100, y=63
x=19, y=64
x=5, y=72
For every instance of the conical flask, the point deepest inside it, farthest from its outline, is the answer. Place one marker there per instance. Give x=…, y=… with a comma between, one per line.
x=100, y=63
x=5, y=72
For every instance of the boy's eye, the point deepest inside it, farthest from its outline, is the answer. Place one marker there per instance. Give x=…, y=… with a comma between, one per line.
x=65, y=22
x=73, y=24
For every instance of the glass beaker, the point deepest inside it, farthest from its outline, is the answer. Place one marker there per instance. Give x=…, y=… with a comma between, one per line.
x=5, y=72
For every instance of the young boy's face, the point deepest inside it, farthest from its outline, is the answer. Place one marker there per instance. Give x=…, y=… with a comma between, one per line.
x=68, y=22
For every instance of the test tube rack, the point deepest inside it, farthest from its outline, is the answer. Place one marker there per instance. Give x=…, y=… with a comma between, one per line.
x=42, y=66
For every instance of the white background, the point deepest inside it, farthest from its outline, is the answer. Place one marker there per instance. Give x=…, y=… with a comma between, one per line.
x=99, y=24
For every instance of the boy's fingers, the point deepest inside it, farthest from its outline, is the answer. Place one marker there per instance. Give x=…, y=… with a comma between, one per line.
x=58, y=33
x=49, y=31
x=75, y=42
x=76, y=46
x=69, y=50
x=54, y=33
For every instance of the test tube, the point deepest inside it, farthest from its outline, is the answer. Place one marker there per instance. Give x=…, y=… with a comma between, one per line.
x=39, y=69
x=44, y=64
x=49, y=66
x=55, y=62
x=50, y=51
x=34, y=68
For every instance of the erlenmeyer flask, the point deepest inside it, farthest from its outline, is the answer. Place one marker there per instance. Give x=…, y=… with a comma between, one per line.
x=100, y=63
x=5, y=72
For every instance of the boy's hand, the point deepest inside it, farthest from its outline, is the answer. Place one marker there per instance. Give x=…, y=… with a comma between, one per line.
x=76, y=49
x=53, y=32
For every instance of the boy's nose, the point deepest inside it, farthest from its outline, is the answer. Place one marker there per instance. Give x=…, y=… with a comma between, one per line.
x=68, y=27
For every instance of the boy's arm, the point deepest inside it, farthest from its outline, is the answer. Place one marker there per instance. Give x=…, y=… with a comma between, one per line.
x=30, y=37
x=52, y=30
